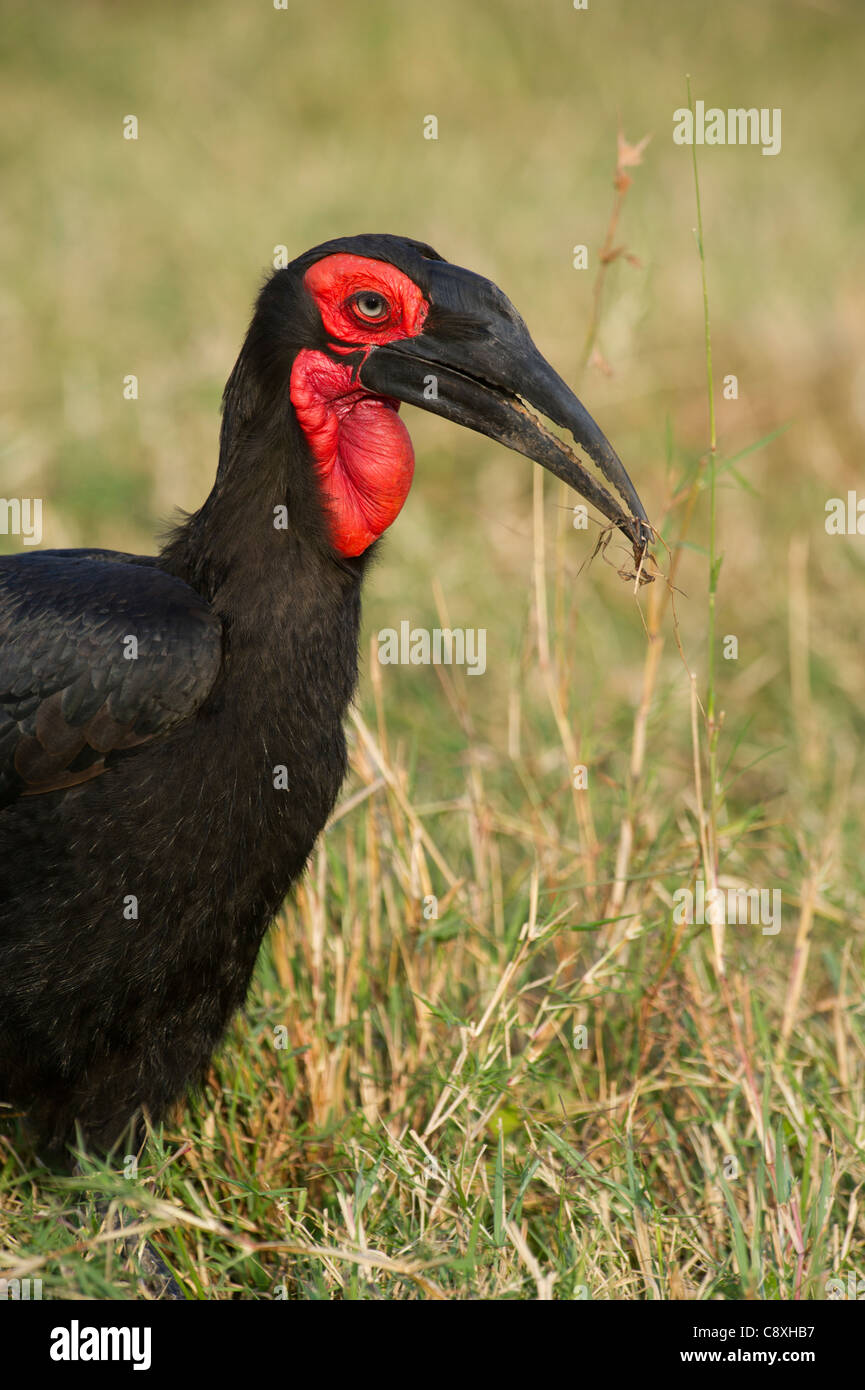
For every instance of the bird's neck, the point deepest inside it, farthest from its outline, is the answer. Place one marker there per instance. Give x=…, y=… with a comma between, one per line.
x=258, y=551
x=264, y=523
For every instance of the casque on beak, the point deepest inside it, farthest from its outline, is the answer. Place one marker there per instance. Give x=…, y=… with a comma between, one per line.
x=475, y=363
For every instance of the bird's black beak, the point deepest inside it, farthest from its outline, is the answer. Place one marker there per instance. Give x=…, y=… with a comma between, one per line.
x=475, y=363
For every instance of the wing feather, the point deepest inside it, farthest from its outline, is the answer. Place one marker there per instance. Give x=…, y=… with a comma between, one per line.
x=99, y=652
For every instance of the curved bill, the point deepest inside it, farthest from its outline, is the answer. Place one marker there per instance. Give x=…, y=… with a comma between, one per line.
x=476, y=364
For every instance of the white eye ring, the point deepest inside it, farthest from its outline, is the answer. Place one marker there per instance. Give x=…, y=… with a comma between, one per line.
x=369, y=304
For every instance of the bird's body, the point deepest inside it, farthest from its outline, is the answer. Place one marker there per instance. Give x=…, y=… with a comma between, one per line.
x=120, y=999
x=159, y=797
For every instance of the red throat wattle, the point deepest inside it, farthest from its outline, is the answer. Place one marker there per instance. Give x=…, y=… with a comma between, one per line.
x=362, y=451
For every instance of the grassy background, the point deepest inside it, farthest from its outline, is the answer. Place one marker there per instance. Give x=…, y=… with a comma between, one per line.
x=430, y=1129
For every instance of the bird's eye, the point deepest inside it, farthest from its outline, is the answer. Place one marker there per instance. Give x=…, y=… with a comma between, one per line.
x=369, y=304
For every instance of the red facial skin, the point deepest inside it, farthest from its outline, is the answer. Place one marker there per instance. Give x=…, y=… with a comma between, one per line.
x=361, y=448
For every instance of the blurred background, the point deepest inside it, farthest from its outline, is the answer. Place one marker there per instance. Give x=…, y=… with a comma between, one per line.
x=262, y=127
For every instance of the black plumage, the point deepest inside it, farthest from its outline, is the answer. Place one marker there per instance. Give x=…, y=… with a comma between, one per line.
x=148, y=706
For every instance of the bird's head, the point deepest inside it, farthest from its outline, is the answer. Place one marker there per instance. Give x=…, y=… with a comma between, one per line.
x=361, y=324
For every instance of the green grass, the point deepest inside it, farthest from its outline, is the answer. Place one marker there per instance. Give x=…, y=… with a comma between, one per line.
x=552, y=1088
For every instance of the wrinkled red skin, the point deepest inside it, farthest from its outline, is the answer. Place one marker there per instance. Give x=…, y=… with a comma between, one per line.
x=361, y=448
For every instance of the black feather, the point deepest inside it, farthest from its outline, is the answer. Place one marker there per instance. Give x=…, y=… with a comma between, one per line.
x=145, y=843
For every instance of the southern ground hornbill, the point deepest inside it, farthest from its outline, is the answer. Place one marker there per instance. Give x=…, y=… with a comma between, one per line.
x=171, y=738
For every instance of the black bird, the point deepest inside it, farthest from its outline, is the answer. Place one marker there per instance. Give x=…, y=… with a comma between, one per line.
x=171, y=738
